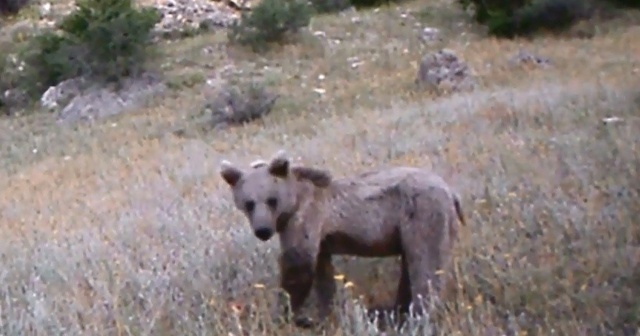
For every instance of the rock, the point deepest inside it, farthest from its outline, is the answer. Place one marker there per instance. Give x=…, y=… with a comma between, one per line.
x=430, y=35
x=240, y=4
x=612, y=120
x=58, y=95
x=13, y=100
x=526, y=58
x=444, y=70
x=97, y=102
x=45, y=10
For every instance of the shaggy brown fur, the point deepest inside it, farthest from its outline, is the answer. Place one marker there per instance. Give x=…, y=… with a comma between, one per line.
x=402, y=211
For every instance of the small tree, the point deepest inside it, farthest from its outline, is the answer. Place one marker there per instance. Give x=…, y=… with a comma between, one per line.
x=270, y=21
x=105, y=40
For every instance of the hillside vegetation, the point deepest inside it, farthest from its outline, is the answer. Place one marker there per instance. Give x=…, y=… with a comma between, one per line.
x=123, y=226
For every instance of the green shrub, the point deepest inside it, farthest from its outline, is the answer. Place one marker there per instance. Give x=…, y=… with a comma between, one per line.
x=115, y=33
x=330, y=6
x=105, y=40
x=485, y=10
x=50, y=59
x=625, y=3
x=271, y=21
x=10, y=7
x=510, y=18
x=360, y=4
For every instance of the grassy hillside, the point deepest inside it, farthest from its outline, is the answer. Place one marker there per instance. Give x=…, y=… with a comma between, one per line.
x=122, y=228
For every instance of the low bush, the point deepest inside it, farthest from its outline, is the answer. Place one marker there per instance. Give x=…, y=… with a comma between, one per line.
x=271, y=21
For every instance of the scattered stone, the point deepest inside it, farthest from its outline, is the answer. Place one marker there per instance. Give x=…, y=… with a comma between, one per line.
x=430, y=35
x=527, y=58
x=178, y=17
x=182, y=17
x=45, y=9
x=219, y=76
x=612, y=120
x=354, y=62
x=241, y=4
x=443, y=70
x=98, y=102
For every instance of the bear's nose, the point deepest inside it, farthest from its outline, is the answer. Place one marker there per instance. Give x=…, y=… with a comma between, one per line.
x=263, y=233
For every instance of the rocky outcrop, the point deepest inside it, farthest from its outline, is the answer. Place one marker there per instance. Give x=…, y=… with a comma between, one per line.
x=443, y=70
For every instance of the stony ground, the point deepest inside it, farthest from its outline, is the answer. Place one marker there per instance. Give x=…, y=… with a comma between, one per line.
x=122, y=227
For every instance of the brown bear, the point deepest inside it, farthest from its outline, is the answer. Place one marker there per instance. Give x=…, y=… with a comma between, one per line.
x=397, y=211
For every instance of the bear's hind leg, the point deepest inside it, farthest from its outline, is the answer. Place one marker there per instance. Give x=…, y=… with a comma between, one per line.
x=395, y=313
x=425, y=258
x=403, y=296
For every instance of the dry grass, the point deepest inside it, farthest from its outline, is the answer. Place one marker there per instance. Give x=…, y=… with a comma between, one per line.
x=111, y=229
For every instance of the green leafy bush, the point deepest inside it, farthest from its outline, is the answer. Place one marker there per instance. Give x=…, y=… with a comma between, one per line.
x=625, y=3
x=115, y=34
x=509, y=18
x=102, y=39
x=484, y=10
x=360, y=4
x=330, y=6
x=270, y=21
x=10, y=7
x=50, y=59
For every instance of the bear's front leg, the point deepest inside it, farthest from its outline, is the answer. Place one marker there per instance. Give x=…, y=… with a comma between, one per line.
x=325, y=284
x=296, y=278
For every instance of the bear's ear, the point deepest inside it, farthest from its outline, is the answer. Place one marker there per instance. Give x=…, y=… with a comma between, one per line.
x=319, y=177
x=279, y=165
x=229, y=173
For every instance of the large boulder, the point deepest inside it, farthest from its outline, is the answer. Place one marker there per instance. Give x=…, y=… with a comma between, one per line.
x=444, y=71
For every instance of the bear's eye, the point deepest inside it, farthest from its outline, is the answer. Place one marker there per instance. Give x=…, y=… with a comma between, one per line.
x=272, y=202
x=249, y=205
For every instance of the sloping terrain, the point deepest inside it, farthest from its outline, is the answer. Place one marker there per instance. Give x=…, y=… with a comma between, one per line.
x=121, y=227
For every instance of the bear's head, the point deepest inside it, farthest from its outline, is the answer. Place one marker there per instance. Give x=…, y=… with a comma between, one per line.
x=270, y=193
